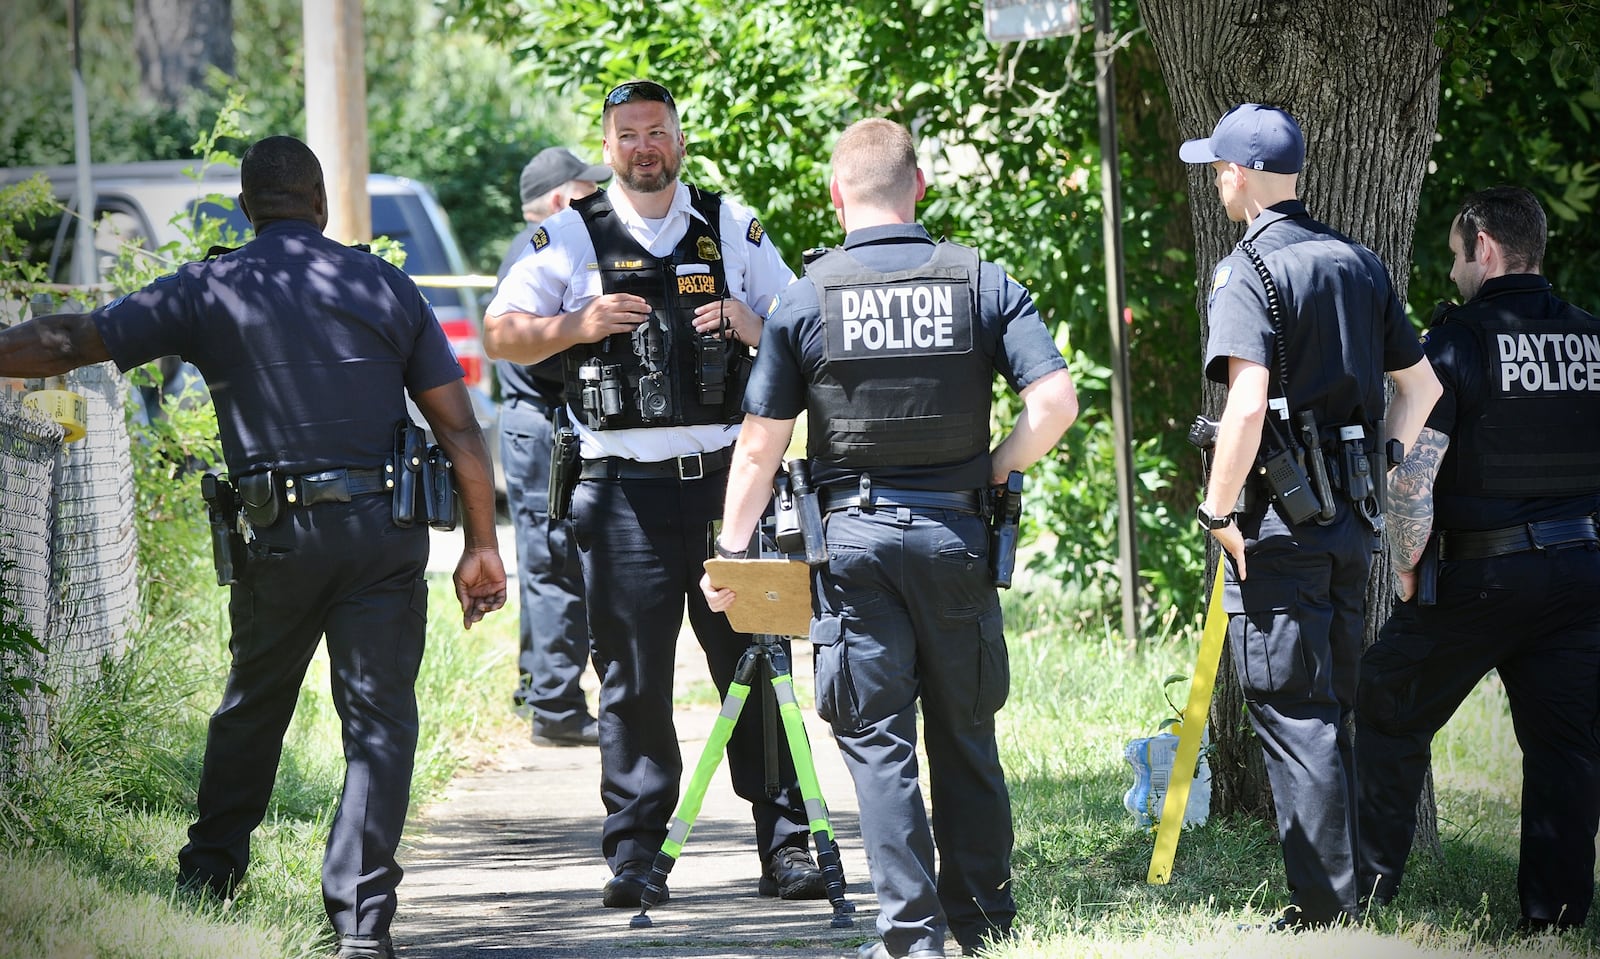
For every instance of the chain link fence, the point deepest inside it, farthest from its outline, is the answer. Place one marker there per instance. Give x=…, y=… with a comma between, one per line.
x=67, y=535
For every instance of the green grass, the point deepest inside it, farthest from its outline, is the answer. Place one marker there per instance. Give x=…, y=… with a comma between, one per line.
x=88, y=848
x=86, y=860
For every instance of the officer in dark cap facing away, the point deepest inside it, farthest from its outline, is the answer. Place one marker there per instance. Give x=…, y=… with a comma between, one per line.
x=1304, y=324
x=554, y=634
x=1492, y=532
x=309, y=348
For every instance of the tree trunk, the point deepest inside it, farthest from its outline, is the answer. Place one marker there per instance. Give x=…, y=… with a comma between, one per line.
x=1362, y=79
x=177, y=42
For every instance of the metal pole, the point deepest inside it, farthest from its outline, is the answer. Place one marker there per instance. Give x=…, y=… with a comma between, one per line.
x=1121, y=408
x=85, y=260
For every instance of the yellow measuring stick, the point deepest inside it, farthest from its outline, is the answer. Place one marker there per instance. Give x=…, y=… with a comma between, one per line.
x=1194, y=726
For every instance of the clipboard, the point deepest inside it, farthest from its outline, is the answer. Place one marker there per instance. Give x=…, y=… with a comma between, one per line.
x=774, y=595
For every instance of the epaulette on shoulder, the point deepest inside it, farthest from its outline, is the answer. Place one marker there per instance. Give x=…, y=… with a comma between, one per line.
x=218, y=250
x=361, y=247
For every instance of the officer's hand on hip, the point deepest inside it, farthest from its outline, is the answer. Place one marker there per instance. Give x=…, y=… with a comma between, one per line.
x=480, y=580
x=1232, y=542
x=610, y=313
x=1405, y=584
x=731, y=316
x=718, y=598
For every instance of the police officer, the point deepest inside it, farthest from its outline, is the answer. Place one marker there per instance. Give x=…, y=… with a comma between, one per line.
x=891, y=345
x=1303, y=321
x=309, y=348
x=652, y=290
x=554, y=634
x=1495, y=515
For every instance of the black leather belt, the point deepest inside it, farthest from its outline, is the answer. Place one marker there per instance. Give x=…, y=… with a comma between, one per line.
x=962, y=502
x=1482, y=544
x=691, y=467
x=334, y=486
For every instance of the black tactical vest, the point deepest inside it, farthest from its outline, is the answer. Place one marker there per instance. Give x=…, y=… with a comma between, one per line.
x=903, y=381
x=1536, y=431
x=663, y=373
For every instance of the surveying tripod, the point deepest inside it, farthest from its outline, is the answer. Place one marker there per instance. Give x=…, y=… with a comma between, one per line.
x=764, y=661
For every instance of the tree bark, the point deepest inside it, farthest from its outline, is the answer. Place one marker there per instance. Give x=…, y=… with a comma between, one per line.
x=177, y=42
x=1362, y=79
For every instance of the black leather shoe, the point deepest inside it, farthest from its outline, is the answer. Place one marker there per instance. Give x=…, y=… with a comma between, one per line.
x=625, y=890
x=364, y=947
x=583, y=733
x=877, y=950
x=791, y=873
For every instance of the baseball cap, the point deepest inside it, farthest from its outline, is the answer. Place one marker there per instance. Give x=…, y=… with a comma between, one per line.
x=1253, y=135
x=554, y=166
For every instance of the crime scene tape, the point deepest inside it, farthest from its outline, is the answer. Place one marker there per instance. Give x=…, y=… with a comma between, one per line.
x=475, y=281
x=62, y=406
x=1195, y=713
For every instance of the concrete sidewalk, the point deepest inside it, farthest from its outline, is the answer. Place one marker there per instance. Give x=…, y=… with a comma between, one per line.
x=508, y=864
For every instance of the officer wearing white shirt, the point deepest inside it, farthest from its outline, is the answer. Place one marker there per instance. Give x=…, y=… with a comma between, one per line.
x=652, y=292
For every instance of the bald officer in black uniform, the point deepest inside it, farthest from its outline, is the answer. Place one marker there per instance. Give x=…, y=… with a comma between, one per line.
x=1296, y=612
x=891, y=345
x=308, y=348
x=1501, y=492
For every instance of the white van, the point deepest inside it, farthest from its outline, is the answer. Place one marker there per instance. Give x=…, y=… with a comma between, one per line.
x=149, y=204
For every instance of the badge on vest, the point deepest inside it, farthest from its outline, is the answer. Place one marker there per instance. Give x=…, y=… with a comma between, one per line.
x=707, y=248
x=868, y=322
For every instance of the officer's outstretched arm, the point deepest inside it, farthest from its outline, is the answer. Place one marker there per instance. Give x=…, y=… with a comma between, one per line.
x=51, y=345
x=480, y=576
x=1049, y=406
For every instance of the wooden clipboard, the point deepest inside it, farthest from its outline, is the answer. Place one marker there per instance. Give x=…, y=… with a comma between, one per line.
x=774, y=595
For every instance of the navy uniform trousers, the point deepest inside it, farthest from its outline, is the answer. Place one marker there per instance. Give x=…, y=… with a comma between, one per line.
x=343, y=570
x=643, y=546
x=1295, y=631
x=554, y=635
x=1534, y=617
x=909, y=610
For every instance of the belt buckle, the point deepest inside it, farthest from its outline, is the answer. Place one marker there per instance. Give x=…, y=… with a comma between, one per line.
x=699, y=466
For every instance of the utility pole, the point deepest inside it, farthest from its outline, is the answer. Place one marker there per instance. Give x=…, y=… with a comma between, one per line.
x=336, y=112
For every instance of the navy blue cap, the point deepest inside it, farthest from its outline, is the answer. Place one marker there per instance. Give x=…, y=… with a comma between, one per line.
x=1253, y=135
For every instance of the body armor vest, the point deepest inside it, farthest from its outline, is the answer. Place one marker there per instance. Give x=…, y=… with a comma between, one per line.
x=902, y=380
x=663, y=373
x=1537, y=430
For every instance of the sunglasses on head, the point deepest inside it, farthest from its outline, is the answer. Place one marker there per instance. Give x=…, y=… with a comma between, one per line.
x=635, y=90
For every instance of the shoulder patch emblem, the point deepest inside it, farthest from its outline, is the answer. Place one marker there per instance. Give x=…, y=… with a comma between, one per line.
x=755, y=233
x=539, y=240
x=707, y=248
x=1220, y=278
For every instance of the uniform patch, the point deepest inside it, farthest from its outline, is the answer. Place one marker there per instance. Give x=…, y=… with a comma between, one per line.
x=626, y=264
x=911, y=319
x=755, y=233
x=707, y=248
x=1220, y=278
x=539, y=240
x=1532, y=363
x=693, y=283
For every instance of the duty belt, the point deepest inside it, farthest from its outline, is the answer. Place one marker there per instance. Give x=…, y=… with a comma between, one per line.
x=334, y=486
x=1482, y=544
x=961, y=502
x=691, y=467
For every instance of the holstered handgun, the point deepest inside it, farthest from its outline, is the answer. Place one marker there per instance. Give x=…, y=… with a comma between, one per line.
x=807, y=513
x=1005, y=522
x=439, y=503
x=222, y=511
x=1306, y=422
x=1428, y=573
x=410, y=451
x=564, y=466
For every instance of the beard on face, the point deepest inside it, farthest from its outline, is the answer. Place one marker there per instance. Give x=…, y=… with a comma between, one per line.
x=660, y=178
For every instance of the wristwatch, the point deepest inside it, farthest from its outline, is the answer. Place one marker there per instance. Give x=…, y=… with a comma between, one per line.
x=1210, y=521
x=725, y=553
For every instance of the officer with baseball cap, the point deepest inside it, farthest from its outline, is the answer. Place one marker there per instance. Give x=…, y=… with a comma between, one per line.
x=1304, y=321
x=554, y=634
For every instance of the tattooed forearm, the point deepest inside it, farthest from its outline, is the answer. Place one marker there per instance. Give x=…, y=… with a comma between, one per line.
x=1411, y=499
